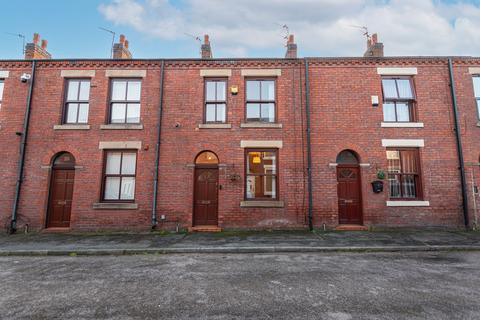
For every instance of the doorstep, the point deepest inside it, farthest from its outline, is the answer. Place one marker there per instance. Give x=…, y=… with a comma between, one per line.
x=56, y=230
x=351, y=227
x=205, y=229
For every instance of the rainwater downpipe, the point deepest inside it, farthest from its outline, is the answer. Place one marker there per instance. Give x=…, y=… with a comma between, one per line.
x=459, y=144
x=309, y=149
x=157, y=155
x=23, y=146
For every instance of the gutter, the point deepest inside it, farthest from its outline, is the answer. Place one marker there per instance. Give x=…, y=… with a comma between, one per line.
x=23, y=146
x=157, y=155
x=459, y=144
x=309, y=148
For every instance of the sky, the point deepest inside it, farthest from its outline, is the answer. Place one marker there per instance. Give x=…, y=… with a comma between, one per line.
x=242, y=28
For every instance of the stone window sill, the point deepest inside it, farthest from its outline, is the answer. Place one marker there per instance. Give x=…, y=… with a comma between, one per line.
x=408, y=203
x=119, y=126
x=71, y=127
x=262, y=204
x=402, y=125
x=115, y=206
x=214, y=125
x=478, y=124
x=260, y=125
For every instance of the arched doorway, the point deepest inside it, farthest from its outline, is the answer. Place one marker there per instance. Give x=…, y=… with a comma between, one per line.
x=205, y=193
x=349, y=188
x=61, y=191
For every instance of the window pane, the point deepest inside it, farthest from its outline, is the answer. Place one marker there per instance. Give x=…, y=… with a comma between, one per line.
x=220, y=90
x=84, y=90
x=119, y=89
x=393, y=158
x=71, y=113
x=128, y=188
x=261, y=187
x=389, y=89
x=221, y=112
x=113, y=163
x=253, y=90
x=269, y=162
x=1, y=90
x=72, y=90
x=210, y=113
x=118, y=113
x=404, y=88
x=478, y=108
x=259, y=162
x=409, y=162
x=253, y=111
x=128, y=163
x=83, y=113
x=394, y=183
x=133, y=113
x=476, y=86
x=210, y=94
x=389, y=112
x=409, y=186
x=403, y=112
x=268, y=112
x=134, y=90
x=112, y=187
x=268, y=90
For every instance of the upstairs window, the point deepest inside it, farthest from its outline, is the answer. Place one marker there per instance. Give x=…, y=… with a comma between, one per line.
x=260, y=100
x=404, y=174
x=1, y=92
x=119, y=176
x=261, y=174
x=476, y=89
x=125, y=101
x=215, y=101
x=76, y=103
x=398, y=100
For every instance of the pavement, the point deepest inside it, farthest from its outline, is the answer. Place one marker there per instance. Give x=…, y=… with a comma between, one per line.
x=330, y=286
x=237, y=242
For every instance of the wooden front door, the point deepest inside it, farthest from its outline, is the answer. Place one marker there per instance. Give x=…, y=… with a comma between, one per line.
x=349, y=194
x=206, y=197
x=60, y=202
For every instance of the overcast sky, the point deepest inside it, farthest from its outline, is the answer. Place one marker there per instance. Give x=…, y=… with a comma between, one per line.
x=248, y=28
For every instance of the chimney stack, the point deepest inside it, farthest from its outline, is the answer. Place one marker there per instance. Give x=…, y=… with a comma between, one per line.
x=120, y=49
x=206, y=48
x=291, y=48
x=374, y=48
x=35, y=51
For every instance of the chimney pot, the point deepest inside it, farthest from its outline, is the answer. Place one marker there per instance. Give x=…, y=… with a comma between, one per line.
x=291, y=39
x=126, y=44
x=44, y=44
x=374, y=38
x=36, y=38
x=122, y=38
x=206, y=39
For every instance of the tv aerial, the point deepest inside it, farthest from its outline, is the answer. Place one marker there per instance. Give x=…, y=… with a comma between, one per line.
x=113, y=39
x=21, y=36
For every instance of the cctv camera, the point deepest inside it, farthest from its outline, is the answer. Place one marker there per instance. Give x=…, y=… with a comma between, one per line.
x=25, y=77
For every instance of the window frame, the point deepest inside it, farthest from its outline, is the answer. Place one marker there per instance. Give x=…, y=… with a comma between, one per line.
x=418, y=176
x=276, y=175
x=66, y=101
x=412, y=102
x=127, y=102
x=274, y=79
x=2, y=92
x=105, y=175
x=477, y=98
x=205, y=102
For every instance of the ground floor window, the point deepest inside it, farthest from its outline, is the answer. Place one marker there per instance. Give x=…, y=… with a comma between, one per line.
x=119, y=175
x=404, y=173
x=261, y=181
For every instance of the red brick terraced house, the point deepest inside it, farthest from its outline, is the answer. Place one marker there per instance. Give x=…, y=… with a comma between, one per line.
x=210, y=144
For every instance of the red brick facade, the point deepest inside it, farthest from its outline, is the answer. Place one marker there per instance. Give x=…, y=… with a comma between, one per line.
x=342, y=117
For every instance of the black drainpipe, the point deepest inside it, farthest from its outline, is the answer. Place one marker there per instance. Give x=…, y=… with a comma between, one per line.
x=23, y=145
x=459, y=144
x=309, y=148
x=157, y=155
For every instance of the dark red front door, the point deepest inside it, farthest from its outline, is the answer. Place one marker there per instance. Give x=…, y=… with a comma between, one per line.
x=349, y=195
x=60, y=202
x=205, y=197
